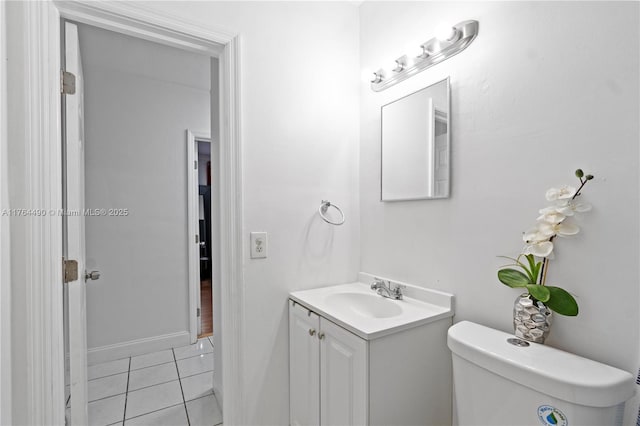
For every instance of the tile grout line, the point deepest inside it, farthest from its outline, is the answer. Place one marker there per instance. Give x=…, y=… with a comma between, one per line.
x=135, y=390
x=184, y=402
x=129, y=370
x=127, y=391
x=152, y=365
x=126, y=394
x=108, y=375
x=148, y=366
x=154, y=411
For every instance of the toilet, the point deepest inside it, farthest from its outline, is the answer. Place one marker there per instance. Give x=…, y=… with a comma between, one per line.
x=501, y=380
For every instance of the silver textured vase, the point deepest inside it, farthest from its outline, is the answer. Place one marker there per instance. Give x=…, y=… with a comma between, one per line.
x=531, y=319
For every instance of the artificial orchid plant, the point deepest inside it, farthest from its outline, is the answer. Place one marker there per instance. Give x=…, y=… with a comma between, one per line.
x=554, y=221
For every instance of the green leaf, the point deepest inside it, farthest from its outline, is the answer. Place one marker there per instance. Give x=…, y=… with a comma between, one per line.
x=513, y=278
x=579, y=173
x=516, y=262
x=537, y=271
x=538, y=292
x=534, y=268
x=562, y=302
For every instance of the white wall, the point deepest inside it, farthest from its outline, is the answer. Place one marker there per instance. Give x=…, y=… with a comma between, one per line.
x=535, y=96
x=544, y=89
x=140, y=98
x=300, y=138
x=16, y=158
x=5, y=253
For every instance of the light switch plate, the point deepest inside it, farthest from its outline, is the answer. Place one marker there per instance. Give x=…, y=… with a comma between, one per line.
x=258, y=245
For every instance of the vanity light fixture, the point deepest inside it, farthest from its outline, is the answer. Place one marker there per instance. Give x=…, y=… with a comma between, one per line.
x=434, y=51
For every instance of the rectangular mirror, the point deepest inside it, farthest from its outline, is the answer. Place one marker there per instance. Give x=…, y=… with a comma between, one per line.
x=415, y=145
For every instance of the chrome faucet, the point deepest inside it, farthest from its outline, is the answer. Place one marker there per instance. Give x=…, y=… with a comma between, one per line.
x=384, y=289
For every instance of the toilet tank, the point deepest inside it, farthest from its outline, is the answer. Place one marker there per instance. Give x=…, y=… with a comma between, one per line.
x=498, y=383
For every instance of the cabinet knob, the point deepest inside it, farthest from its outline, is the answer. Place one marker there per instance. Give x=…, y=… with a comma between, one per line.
x=321, y=335
x=312, y=331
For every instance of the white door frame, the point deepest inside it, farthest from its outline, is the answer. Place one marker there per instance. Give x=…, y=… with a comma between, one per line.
x=5, y=250
x=192, y=226
x=44, y=313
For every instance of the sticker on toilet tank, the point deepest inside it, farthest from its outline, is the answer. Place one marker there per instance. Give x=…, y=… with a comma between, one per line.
x=551, y=416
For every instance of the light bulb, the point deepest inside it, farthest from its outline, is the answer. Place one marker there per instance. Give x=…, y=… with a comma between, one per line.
x=412, y=50
x=445, y=32
x=367, y=75
x=400, y=64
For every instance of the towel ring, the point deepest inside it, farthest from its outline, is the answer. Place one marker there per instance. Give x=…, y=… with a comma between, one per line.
x=324, y=206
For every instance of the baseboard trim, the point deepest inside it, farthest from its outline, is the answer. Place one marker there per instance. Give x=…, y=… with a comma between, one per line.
x=137, y=347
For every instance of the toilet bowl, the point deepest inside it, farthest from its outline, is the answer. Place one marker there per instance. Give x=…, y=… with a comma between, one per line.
x=502, y=383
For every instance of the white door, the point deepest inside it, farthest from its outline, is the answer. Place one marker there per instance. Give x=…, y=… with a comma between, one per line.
x=344, y=381
x=74, y=157
x=304, y=366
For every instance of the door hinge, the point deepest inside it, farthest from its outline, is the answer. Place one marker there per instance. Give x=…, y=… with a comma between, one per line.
x=70, y=268
x=67, y=83
x=197, y=239
x=198, y=312
x=195, y=164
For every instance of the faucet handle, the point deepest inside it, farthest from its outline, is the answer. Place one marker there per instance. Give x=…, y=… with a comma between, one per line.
x=376, y=283
x=397, y=290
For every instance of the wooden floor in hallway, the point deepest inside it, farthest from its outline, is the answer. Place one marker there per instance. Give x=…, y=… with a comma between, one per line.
x=206, y=306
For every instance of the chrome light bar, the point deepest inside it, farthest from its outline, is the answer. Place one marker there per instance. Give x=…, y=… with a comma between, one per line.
x=434, y=51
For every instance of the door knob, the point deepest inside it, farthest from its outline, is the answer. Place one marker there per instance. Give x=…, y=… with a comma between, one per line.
x=93, y=275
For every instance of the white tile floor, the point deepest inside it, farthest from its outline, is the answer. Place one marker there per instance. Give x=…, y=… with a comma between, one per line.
x=173, y=387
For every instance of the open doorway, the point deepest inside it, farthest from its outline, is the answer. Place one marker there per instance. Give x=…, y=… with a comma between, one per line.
x=205, y=306
x=40, y=24
x=203, y=201
x=139, y=96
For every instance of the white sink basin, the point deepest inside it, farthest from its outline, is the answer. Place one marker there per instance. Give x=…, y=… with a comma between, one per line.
x=367, y=305
x=360, y=310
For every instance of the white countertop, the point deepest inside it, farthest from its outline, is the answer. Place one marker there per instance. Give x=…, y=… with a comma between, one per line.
x=369, y=317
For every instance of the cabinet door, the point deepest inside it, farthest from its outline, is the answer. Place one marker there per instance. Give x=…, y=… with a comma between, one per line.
x=304, y=366
x=343, y=377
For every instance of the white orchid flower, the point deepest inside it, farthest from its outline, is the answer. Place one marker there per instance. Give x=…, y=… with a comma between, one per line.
x=563, y=229
x=563, y=193
x=537, y=243
x=539, y=248
x=571, y=207
x=551, y=215
x=534, y=235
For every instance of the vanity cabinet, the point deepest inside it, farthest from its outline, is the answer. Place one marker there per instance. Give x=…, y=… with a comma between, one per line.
x=339, y=378
x=328, y=371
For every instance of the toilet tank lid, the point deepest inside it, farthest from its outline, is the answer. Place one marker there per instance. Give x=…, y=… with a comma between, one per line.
x=545, y=369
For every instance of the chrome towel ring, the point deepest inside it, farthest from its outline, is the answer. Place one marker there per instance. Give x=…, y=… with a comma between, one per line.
x=324, y=206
